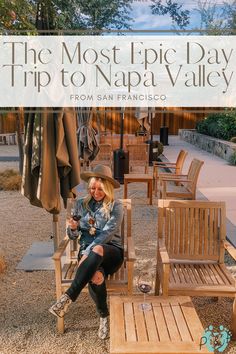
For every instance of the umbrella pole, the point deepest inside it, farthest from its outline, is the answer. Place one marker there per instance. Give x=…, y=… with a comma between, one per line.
x=150, y=120
x=122, y=116
x=55, y=228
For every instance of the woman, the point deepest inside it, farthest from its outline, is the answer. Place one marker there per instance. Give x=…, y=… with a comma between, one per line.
x=101, y=252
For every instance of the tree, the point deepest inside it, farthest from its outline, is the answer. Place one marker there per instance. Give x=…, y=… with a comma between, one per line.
x=93, y=14
x=179, y=16
x=65, y=14
x=230, y=13
x=217, y=19
x=18, y=14
x=19, y=117
x=100, y=14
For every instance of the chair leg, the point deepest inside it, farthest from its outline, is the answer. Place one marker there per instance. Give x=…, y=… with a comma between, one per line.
x=60, y=321
x=155, y=186
x=153, y=181
x=125, y=189
x=130, y=268
x=150, y=192
x=157, y=286
x=234, y=320
x=61, y=325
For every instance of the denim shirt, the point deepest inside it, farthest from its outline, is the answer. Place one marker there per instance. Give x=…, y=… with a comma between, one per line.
x=107, y=224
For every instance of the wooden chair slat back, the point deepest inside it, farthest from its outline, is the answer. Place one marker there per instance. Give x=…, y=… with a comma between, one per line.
x=126, y=222
x=192, y=229
x=104, y=152
x=138, y=152
x=116, y=141
x=106, y=139
x=193, y=173
x=180, y=161
x=137, y=139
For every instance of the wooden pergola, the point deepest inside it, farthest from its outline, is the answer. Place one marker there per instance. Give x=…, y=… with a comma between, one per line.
x=108, y=119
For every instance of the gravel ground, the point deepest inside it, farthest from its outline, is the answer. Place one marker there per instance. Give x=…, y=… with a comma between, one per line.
x=26, y=326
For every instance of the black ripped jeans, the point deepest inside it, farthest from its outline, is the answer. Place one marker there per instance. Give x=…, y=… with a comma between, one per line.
x=109, y=263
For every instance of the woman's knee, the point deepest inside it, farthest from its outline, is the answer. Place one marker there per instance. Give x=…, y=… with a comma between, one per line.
x=98, y=278
x=98, y=249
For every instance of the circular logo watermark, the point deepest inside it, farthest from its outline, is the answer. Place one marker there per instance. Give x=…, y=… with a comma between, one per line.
x=216, y=339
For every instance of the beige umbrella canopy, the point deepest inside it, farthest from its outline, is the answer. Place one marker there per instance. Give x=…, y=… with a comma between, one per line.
x=51, y=166
x=142, y=116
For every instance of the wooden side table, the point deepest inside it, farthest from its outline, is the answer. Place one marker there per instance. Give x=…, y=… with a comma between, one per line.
x=138, y=177
x=171, y=326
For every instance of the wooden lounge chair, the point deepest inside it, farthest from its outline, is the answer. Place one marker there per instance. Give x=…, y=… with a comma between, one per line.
x=174, y=167
x=190, y=252
x=138, y=156
x=120, y=282
x=181, y=186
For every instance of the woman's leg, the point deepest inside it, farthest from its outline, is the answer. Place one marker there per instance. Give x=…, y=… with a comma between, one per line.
x=113, y=258
x=98, y=293
x=84, y=274
x=111, y=262
x=110, y=257
x=86, y=270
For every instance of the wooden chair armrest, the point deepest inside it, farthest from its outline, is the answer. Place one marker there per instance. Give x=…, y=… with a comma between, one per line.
x=166, y=165
x=157, y=163
x=163, y=268
x=163, y=252
x=167, y=175
x=130, y=249
x=231, y=249
x=61, y=249
x=172, y=175
x=157, y=173
x=169, y=166
x=175, y=179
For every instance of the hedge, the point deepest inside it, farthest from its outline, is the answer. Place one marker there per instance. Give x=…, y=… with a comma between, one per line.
x=219, y=125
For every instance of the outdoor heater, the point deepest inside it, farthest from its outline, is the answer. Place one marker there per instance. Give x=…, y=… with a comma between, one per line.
x=153, y=145
x=121, y=157
x=164, y=130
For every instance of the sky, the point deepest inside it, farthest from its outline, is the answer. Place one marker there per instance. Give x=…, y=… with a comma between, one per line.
x=141, y=13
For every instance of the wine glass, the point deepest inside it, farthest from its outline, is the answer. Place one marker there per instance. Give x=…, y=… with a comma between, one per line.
x=70, y=205
x=145, y=284
x=70, y=209
x=71, y=213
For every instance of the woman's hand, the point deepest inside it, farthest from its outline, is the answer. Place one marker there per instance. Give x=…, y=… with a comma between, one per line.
x=73, y=224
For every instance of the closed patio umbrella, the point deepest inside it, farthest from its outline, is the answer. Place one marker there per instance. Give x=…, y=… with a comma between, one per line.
x=87, y=142
x=51, y=167
x=142, y=116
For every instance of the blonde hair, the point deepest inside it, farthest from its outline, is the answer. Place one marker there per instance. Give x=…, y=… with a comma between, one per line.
x=107, y=188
